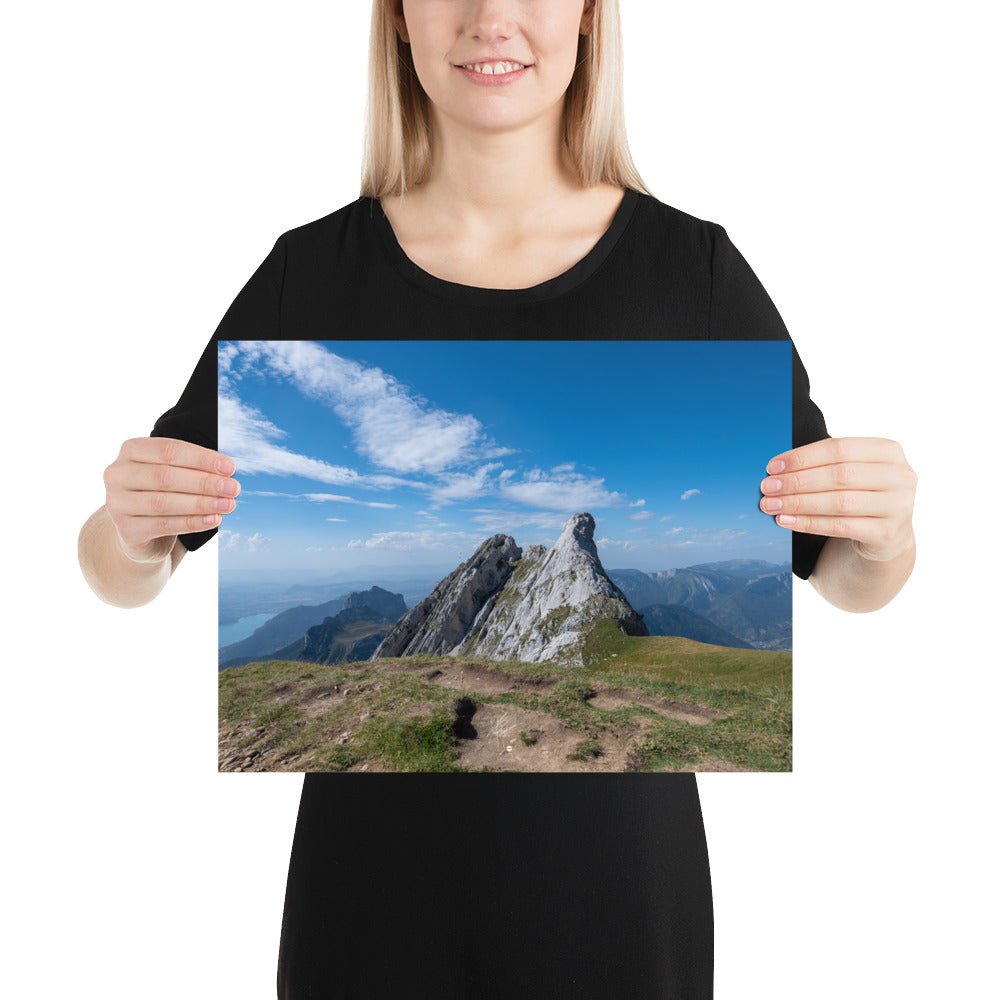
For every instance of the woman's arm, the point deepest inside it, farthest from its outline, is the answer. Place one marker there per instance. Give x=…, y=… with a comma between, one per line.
x=157, y=489
x=859, y=492
x=115, y=577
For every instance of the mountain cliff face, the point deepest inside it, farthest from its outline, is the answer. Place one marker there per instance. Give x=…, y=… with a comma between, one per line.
x=439, y=623
x=381, y=601
x=502, y=604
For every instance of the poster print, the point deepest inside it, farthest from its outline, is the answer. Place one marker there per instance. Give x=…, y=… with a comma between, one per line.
x=504, y=556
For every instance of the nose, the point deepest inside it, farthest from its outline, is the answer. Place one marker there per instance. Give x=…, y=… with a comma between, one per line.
x=491, y=19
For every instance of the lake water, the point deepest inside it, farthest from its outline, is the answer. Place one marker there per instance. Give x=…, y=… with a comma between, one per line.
x=241, y=629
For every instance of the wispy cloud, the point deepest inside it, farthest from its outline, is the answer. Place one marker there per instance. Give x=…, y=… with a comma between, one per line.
x=425, y=540
x=232, y=541
x=508, y=522
x=454, y=486
x=641, y=515
x=687, y=494
x=392, y=425
x=705, y=536
x=335, y=498
x=561, y=488
x=321, y=498
x=626, y=545
x=251, y=440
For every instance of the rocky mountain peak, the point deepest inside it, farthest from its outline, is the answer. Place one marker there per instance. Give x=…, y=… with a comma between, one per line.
x=503, y=604
x=578, y=532
x=440, y=621
x=387, y=604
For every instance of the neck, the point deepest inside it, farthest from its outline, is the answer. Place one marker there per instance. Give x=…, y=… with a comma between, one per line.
x=497, y=181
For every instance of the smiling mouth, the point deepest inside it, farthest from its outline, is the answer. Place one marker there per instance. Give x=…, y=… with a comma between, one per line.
x=493, y=68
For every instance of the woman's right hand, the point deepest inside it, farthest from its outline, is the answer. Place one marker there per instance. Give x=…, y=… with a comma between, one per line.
x=159, y=488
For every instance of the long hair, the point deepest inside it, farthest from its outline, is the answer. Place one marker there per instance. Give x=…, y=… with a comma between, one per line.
x=397, y=139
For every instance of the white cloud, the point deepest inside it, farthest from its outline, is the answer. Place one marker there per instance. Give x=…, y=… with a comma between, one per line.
x=508, y=522
x=687, y=494
x=641, y=515
x=249, y=438
x=638, y=503
x=559, y=489
x=626, y=545
x=392, y=425
x=341, y=520
x=425, y=540
x=335, y=498
x=235, y=542
x=454, y=486
x=719, y=536
x=321, y=498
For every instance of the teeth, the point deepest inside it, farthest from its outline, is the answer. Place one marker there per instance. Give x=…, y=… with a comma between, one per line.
x=495, y=69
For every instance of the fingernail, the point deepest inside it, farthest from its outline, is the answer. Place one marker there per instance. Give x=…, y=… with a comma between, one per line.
x=771, y=504
x=770, y=485
x=786, y=519
x=225, y=466
x=775, y=466
x=210, y=519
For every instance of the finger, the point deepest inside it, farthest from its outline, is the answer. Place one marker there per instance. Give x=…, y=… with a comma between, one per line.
x=162, y=504
x=845, y=476
x=842, y=503
x=866, y=530
x=174, y=452
x=140, y=477
x=135, y=531
x=832, y=451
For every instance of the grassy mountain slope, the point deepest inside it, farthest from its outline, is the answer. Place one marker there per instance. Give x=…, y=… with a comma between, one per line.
x=644, y=704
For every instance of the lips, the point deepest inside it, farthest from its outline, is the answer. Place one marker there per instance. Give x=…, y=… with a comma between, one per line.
x=499, y=76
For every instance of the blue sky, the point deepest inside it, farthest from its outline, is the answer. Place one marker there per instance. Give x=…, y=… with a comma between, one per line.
x=408, y=454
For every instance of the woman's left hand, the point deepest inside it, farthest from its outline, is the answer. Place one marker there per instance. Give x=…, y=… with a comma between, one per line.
x=852, y=487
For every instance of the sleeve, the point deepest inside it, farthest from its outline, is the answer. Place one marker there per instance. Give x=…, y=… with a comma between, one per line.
x=255, y=314
x=741, y=309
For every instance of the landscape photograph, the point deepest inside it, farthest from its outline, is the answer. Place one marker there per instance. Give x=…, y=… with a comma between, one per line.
x=514, y=555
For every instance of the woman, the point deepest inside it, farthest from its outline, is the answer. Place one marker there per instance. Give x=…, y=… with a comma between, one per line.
x=501, y=203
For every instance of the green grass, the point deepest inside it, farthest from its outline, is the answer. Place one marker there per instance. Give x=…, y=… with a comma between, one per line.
x=753, y=686
x=686, y=661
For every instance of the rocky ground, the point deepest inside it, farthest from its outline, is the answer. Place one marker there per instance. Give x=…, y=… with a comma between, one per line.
x=499, y=720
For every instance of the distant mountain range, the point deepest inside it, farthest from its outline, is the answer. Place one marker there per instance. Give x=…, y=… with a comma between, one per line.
x=322, y=633
x=749, y=600
x=535, y=606
x=675, y=619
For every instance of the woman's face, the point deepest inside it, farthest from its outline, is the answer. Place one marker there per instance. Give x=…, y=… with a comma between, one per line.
x=540, y=35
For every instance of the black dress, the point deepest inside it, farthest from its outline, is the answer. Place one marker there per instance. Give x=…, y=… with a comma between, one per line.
x=583, y=886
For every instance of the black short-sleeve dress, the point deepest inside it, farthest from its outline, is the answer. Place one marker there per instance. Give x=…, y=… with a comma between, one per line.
x=583, y=886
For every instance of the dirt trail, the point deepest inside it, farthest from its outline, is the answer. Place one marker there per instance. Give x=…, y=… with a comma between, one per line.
x=685, y=711
x=488, y=735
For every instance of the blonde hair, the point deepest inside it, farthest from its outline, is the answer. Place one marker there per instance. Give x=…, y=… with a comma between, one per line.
x=397, y=140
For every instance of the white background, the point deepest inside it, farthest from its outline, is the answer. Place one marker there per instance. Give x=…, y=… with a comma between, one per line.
x=154, y=153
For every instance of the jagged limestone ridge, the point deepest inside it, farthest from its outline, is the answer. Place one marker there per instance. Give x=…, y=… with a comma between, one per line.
x=551, y=601
x=441, y=621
